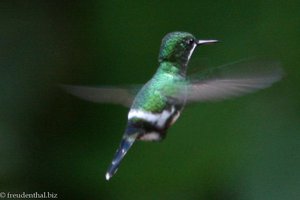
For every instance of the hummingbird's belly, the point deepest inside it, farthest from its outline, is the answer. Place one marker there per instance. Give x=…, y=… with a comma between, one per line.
x=154, y=125
x=159, y=120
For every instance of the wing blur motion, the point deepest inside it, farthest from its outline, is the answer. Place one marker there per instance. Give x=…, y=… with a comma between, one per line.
x=220, y=83
x=114, y=95
x=233, y=80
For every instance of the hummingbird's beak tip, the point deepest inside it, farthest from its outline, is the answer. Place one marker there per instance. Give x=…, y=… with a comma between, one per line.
x=201, y=42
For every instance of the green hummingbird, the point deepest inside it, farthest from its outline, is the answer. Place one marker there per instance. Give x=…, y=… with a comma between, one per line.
x=158, y=104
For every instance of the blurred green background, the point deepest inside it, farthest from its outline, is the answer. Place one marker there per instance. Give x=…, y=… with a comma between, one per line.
x=245, y=148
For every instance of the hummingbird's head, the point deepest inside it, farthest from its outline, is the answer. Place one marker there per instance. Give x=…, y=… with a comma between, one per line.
x=177, y=47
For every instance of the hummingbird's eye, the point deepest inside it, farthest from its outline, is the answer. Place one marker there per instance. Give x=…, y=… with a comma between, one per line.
x=190, y=41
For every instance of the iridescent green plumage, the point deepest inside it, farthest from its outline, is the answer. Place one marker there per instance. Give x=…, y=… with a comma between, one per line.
x=176, y=48
x=174, y=55
x=154, y=95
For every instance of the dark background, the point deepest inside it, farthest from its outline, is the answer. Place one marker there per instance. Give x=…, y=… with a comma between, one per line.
x=245, y=148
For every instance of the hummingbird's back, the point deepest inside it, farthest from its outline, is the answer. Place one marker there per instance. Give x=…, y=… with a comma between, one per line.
x=158, y=92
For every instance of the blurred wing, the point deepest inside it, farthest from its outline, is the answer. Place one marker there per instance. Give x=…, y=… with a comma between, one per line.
x=114, y=95
x=233, y=80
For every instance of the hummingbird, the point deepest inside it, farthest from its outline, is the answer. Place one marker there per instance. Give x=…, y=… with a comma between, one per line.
x=155, y=106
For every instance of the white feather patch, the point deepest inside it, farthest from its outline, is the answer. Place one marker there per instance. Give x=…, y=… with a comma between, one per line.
x=158, y=119
x=152, y=136
x=192, y=50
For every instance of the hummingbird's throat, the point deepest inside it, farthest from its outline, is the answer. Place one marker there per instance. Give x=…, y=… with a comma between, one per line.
x=184, y=57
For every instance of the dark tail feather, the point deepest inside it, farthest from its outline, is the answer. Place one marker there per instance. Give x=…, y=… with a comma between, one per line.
x=125, y=145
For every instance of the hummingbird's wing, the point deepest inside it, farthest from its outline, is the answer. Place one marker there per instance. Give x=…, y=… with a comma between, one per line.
x=114, y=95
x=233, y=80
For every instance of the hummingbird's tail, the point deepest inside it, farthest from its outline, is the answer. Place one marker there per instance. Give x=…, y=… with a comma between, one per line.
x=125, y=145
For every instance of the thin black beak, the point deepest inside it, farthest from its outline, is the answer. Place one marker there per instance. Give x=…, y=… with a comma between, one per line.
x=201, y=42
